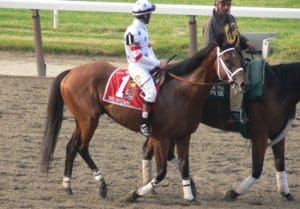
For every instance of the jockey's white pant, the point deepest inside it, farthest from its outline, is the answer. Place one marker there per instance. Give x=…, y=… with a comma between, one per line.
x=144, y=80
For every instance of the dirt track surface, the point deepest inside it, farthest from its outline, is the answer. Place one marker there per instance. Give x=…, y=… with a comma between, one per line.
x=219, y=161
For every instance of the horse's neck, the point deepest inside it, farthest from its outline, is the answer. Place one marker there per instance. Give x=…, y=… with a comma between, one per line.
x=205, y=73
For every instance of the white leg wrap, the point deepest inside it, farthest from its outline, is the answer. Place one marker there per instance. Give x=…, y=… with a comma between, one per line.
x=174, y=163
x=98, y=175
x=66, y=182
x=187, y=190
x=147, y=171
x=282, y=182
x=147, y=188
x=246, y=185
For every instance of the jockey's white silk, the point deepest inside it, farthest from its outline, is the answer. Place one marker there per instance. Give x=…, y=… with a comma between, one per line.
x=141, y=56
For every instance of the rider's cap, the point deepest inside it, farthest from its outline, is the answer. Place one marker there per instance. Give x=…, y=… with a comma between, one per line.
x=142, y=7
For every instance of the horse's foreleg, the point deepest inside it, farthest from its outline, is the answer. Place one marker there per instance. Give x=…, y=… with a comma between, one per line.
x=258, y=153
x=189, y=190
x=160, y=148
x=71, y=152
x=282, y=181
x=148, y=153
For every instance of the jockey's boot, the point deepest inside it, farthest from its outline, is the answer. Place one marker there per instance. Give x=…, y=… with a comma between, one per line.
x=145, y=126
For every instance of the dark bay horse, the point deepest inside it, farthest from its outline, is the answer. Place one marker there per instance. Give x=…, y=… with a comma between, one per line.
x=176, y=115
x=270, y=117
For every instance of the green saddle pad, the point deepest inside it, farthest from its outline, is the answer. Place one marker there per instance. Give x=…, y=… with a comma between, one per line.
x=255, y=73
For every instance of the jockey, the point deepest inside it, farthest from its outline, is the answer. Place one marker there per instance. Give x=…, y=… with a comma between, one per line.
x=141, y=58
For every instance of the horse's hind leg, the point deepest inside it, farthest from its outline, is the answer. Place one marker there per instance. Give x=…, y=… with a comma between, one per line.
x=87, y=130
x=71, y=152
x=282, y=181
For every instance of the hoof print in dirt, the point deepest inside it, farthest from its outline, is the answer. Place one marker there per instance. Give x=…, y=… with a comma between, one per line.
x=231, y=195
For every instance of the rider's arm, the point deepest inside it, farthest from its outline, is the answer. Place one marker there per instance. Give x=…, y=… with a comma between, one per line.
x=137, y=53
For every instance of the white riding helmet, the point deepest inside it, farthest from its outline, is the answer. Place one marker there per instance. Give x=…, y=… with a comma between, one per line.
x=142, y=7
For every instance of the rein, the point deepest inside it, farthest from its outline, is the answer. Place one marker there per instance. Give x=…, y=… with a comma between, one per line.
x=229, y=74
x=197, y=83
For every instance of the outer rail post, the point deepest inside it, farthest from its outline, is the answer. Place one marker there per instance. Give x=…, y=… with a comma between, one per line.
x=38, y=43
x=193, y=35
x=55, y=19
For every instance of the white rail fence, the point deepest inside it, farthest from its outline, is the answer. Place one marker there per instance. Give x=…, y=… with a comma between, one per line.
x=168, y=9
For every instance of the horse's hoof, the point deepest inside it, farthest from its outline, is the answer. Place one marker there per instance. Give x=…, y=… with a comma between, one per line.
x=131, y=197
x=231, y=195
x=69, y=191
x=289, y=197
x=102, y=189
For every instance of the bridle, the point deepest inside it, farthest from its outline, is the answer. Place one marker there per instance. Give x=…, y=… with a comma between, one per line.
x=228, y=73
x=220, y=61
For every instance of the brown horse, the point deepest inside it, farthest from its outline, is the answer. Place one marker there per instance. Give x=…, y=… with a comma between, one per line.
x=176, y=115
x=270, y=118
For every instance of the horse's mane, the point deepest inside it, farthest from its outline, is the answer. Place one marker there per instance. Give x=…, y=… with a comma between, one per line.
x=287, y=76
x=189, y=64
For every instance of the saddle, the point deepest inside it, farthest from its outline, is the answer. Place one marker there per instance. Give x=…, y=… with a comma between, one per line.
x=122, y=90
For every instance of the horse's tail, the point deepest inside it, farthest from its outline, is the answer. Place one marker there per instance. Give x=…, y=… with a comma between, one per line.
x=53, y=124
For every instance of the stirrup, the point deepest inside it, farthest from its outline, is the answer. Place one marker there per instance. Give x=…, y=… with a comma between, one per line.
x=145, y=130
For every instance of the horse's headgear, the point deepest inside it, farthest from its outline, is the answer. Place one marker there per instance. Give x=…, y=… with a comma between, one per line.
x=142, y=7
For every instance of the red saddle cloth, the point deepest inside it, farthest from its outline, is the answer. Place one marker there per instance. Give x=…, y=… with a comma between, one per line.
x=122, y=90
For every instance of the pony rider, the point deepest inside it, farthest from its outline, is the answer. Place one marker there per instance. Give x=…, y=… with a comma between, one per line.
x=222, y=29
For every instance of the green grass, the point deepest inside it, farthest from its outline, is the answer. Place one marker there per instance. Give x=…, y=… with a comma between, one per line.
x=91, y=33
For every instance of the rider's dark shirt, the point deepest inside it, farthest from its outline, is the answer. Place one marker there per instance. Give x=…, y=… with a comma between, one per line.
x=224, y=31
